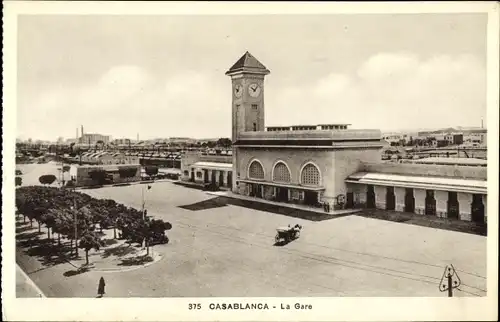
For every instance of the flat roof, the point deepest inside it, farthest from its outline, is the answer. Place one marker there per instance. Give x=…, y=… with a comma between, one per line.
x=312, y=135
x=466, y=161
x=420, y=182
x=213, y=165
x=106, y=166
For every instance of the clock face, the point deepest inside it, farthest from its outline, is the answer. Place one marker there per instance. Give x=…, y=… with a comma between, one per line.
x=238, y=90
x=254, y=90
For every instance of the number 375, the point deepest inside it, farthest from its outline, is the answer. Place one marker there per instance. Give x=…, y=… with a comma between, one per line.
x=194, y=306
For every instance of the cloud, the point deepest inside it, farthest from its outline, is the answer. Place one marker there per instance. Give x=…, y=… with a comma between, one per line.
x=126, y=100
x=389, y=91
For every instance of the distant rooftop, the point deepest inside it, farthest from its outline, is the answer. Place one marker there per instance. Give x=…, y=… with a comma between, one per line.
x=318, y=127
x=453, y=161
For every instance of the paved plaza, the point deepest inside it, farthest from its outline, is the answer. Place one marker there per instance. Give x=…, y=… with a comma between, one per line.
x=218, y=249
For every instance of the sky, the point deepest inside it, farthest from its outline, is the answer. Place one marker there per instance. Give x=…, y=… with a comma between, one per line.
x=163, y=76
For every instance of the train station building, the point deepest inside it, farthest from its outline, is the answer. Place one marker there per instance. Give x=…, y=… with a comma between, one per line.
x=319, y=164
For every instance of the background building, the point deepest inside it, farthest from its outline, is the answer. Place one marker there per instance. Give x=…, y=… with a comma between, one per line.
x=94, y=138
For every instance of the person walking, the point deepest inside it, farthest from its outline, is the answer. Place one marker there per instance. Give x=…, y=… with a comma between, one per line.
x=100, y=288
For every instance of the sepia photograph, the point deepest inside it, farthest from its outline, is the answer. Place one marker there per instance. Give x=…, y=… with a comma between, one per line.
x=236, y=156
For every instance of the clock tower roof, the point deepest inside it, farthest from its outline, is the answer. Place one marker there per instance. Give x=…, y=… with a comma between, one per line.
x=248, y=64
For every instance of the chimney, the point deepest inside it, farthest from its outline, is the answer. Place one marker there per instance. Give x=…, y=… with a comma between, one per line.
x=482, y=123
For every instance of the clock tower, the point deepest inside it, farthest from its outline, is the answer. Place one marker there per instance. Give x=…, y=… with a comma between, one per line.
x=247, y=76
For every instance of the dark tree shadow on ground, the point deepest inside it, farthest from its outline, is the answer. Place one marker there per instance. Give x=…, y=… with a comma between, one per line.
x=138, y=260
x=29, y=235
x=76, y=271
x=119, y=251
x=99, y=233
x=19, y=223
x=109, y=242
x=21, y=229
x=49, y=253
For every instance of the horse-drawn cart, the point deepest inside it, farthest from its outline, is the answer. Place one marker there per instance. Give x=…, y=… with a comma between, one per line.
x=287, y=234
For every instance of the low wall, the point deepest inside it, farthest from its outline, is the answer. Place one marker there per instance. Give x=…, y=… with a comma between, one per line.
x=478, y=173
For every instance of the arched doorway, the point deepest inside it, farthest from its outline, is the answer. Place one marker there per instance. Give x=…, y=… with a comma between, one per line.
x=430, y=203
x=370, y=197
x=477, y=209
x=214, y=176
x=192, y=175
x=390, y=199
x=230, y=179
x=453, y=205
x=409, y=200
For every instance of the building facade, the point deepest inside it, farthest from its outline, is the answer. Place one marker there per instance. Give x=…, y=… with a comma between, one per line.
x=314, y=165
x=305, y=164
x=93, y=138
x=83, y=176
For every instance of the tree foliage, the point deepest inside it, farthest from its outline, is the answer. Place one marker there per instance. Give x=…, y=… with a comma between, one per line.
x=19, y=181
x=127, y=172
x=151, y=170
x=47, y=179
x=88, y=241
x=54, y=208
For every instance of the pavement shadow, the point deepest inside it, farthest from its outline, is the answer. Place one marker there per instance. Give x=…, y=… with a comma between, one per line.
x=282, y=210
x=21, y=229
x=119, y=251
x=29, y=236
x=138, y=260
x=20, y=223
x=216, y=202
x=48, y=253
x=76, y=271
x=282, y=243
x=108, y=242
x=92, y=187
x=121, y=184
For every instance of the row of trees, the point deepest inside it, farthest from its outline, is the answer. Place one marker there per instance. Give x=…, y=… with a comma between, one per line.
x=77, y=216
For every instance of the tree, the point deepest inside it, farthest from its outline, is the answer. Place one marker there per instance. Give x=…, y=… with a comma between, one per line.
x=63, y=225
x=19, y=181
x=224, y=142
x=47, y=179
x=70, y=184
x=49, y=219
x=127, y=172
x=89, y=241
x=151, y=170
x=37, y=214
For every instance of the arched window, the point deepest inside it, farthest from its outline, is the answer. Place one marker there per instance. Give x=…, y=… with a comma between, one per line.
x=310, y=175
x=281, y=172
x=255, y=170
